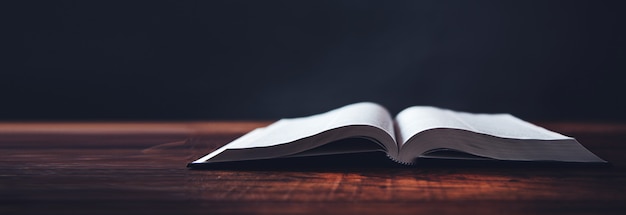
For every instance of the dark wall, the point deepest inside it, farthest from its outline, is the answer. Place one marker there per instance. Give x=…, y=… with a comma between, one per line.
x=196, y=60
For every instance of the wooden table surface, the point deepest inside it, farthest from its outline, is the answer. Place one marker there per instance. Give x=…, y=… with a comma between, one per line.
x=139, y=168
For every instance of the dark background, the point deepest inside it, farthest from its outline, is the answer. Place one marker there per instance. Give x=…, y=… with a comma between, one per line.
x=199, y=60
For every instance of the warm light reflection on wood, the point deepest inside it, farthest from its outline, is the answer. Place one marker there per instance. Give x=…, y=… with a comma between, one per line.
x=411, y=185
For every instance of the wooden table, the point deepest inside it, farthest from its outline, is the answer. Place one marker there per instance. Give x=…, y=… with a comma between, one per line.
x=139, y=168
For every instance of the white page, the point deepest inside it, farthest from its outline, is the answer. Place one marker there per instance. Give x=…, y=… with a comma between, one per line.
x=289, y=130
x=420, y=118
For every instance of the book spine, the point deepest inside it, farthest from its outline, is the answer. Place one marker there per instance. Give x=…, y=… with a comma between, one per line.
x=400, y=162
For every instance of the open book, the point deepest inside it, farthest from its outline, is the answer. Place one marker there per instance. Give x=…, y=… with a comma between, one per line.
x=416, y=132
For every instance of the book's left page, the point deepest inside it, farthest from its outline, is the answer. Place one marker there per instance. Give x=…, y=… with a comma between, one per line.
x=288, y=137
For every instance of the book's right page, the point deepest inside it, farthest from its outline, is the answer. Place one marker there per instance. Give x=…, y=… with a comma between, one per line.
x=427, y=131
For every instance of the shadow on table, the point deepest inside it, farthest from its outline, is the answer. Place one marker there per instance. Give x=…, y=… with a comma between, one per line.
x=379, y=160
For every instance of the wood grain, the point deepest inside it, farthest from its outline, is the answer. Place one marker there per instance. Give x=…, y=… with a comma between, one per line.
x=139, y=168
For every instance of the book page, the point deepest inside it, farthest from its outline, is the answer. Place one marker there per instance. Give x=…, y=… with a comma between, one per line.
x=289, y=130
x=420, y=118
x=433, y=132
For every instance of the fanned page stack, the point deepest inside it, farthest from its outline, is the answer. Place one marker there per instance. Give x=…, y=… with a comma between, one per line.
x=416, y=132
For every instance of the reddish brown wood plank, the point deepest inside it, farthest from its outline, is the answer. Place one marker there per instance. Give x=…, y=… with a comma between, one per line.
x=104, y=168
